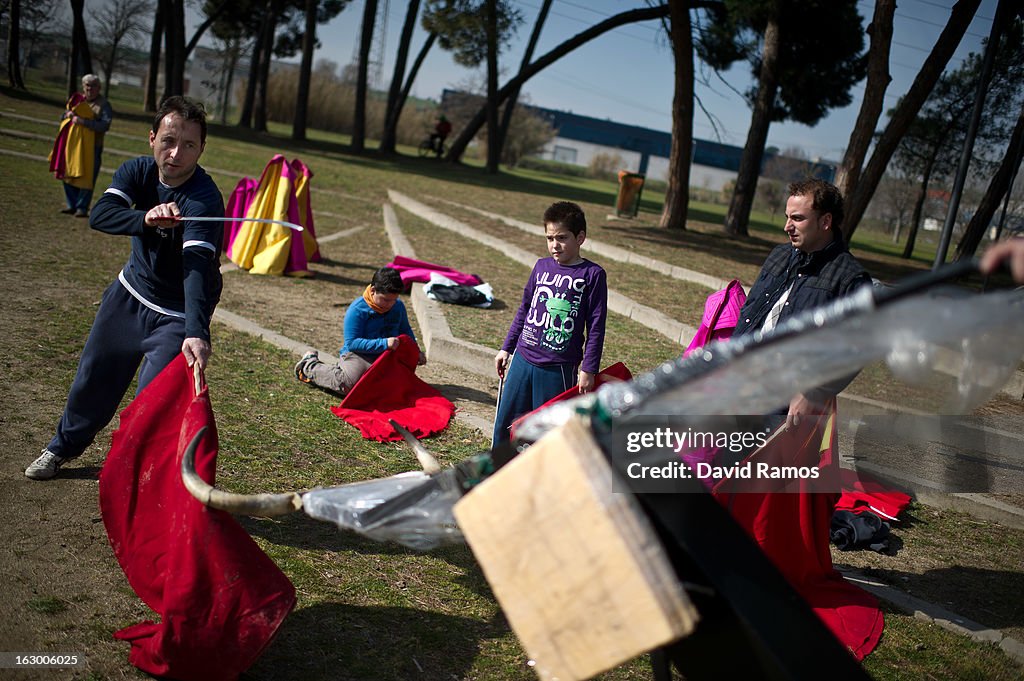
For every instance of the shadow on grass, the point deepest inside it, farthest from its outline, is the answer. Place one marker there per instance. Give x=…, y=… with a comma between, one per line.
x=303, y=532
x=370, y=643
x=454, y=392
x=983, y=595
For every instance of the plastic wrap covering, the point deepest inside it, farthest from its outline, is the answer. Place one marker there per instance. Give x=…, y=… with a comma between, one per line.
x=376, y=510
x=976, y=339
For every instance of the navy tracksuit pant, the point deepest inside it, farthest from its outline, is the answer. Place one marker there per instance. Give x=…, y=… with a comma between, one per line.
x=125, y=334
x=527, y=386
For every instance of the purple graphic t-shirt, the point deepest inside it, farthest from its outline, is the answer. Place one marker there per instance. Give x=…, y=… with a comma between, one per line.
x=560, y=303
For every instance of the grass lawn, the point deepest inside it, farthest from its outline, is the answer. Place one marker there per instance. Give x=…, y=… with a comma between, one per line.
x=366, y=610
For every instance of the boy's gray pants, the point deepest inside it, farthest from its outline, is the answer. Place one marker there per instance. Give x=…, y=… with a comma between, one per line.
x=339, y=378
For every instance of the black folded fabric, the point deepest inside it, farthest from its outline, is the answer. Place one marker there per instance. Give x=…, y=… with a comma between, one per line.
x=851, y=531
x=458, y=294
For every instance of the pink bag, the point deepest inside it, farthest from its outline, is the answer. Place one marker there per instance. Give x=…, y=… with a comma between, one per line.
x=721, y=314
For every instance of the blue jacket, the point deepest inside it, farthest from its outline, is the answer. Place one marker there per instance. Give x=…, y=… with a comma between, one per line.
x=367, y=332
x=817, y=278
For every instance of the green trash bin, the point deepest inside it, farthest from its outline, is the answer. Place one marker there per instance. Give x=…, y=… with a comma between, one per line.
x=631, y=185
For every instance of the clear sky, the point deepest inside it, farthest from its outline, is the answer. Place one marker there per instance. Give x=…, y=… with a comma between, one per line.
x=626, y=75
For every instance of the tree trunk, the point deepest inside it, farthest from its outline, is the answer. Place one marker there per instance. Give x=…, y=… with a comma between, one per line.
x=750, y=163
x=259, y=123
x=305, y=72
x=915, y=218
x=878, y=80
x=149, y=103
x=245, y=116
x=178, y=7
x=366, y=42
x=81, y=59
x=906, y=112
x=411, y=78
x=13, y=46
x=677, y=195
x=174, y=47
x=998, y=186
x=493, y=143
x=234, y=47
x=389, y=136
x=510, y=103
x=473, y=126
x=169, y=55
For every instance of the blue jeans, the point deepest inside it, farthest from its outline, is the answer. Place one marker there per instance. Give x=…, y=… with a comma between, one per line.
x=527, y=386
x=125, y=334
x=79, y=199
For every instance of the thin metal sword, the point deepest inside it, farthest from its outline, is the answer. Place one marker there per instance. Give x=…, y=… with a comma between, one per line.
x=266, y=221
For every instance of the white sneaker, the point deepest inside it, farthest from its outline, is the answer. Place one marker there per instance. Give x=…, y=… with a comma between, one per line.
x=45, y=467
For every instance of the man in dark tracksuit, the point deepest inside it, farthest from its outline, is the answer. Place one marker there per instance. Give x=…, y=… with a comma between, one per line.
x=164, y=297
x=813, y=269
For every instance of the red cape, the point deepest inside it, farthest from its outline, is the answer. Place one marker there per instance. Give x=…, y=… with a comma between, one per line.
x=390, y=389
x=219, y=597
x=615, y=372
x=792, y=528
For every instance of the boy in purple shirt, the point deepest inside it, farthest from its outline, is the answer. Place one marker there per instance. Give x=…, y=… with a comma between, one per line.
x=545, y=346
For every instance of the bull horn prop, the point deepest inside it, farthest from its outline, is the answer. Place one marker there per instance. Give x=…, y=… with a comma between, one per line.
x=262, y=505
x=426, y=459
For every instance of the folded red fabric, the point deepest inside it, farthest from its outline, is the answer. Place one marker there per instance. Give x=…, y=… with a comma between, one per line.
x=863, y=493
x=390, y=389
x=219, y=597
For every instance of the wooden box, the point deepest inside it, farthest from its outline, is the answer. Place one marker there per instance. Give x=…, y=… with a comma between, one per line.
x=577, y=569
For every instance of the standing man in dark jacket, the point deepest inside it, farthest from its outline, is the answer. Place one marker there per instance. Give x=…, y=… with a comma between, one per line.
x=163, y=298
x=813, y=269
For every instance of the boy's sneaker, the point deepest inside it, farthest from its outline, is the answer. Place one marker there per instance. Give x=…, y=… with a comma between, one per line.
x=45, y=467
x=303, y=365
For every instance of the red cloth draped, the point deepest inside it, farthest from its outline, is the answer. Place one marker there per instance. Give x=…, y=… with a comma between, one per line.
x=792, y=528
x=417, y=270
x=615, y=372
x=219, y=597
x=390, y=389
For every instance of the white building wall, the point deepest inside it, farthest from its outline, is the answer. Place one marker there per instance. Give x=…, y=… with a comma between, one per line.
x=585, y=153
x=582, y=153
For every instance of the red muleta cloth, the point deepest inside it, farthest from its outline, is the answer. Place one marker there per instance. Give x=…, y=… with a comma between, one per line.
x=390, y=389
x=219, y=597
x=615, y=372
x=792, y=528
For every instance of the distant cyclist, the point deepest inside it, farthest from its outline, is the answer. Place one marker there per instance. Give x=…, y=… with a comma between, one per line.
x=440, y=134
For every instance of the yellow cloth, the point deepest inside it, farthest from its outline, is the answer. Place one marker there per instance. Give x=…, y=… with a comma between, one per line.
x=262, y=248
x=79, y=150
